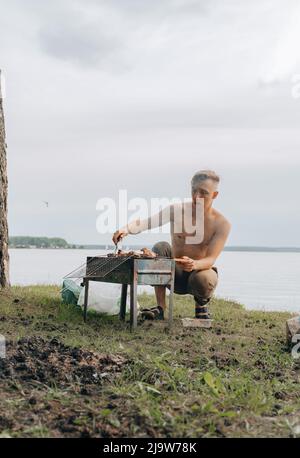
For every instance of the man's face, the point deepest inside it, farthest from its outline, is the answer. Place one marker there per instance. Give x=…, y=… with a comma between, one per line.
x=206, y=190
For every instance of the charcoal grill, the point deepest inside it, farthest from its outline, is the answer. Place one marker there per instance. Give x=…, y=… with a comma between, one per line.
x=133, y=271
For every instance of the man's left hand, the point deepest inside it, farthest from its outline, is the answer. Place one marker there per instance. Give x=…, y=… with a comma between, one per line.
x=187, y=264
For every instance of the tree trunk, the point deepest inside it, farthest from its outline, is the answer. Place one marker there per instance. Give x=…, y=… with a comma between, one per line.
x=4, y=257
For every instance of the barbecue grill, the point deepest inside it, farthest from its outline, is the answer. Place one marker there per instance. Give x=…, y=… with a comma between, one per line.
x=130, y=270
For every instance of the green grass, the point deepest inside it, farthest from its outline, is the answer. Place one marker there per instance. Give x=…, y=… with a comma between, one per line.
x=235, y=380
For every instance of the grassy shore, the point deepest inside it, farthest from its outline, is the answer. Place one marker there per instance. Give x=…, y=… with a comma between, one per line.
x=235, y=380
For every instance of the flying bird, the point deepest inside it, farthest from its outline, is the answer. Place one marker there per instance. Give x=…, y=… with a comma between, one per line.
x=46, y=203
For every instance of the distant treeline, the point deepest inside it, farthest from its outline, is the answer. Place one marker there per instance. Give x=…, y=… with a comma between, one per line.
x=38, y=242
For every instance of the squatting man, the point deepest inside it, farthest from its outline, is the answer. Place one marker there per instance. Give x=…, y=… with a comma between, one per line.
x=195, y=257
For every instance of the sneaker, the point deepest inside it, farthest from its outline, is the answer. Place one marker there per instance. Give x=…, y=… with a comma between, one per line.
x=154, y=313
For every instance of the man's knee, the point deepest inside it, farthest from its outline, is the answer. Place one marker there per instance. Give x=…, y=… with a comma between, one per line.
x=202, y=284
x=162, y=249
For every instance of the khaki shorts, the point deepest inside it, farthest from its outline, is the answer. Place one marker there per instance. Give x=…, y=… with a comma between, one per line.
x=200, y=283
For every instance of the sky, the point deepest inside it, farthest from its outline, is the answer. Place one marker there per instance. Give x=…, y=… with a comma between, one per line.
x=139, y=95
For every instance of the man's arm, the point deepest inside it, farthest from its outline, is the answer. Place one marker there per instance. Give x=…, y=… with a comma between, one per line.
x=136, y=227
x=214, y=250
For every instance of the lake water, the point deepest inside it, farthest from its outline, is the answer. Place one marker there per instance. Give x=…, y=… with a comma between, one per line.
x=265, y=281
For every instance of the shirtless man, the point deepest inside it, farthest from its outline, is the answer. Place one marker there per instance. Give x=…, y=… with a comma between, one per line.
x=195, y=271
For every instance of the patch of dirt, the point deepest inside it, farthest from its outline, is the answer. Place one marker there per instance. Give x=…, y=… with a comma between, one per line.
x=223, y=360
x=50, y=362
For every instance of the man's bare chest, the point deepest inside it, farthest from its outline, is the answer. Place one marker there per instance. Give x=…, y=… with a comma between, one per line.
x=186, y=238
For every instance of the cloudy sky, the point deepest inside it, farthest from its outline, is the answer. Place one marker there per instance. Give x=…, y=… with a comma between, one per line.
x=138, y=95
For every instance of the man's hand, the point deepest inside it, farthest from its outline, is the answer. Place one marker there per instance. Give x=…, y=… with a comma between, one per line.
x=119, y=235
x=187, y=264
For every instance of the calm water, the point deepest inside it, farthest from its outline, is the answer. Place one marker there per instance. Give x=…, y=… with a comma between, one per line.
x=266, y=281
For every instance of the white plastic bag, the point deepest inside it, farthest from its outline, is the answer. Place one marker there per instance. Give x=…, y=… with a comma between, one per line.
x=105, y=298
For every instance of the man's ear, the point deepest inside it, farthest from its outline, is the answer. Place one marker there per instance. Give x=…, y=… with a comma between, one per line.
x=215, y=195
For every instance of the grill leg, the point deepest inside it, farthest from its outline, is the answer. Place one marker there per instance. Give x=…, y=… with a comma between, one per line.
x=123, y=302
x=86, y=296
x=133, y=305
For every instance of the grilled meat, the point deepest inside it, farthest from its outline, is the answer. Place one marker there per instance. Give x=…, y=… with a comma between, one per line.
x=143, y=253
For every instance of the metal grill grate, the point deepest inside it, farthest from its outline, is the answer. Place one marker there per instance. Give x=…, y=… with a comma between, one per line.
x=99, y=266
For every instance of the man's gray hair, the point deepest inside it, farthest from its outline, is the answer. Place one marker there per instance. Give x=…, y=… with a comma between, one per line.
x=203, y=175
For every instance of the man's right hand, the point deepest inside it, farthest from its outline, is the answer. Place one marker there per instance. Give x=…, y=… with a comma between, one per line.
x=119, y=235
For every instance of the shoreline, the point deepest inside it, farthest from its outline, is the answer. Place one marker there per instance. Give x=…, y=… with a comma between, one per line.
x=257, y=282
x=151, y=294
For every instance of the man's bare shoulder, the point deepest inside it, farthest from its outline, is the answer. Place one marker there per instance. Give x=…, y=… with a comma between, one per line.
x=222, y=223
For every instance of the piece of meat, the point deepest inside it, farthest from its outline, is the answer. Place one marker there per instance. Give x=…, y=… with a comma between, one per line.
x=143, y=253
x=148, y=253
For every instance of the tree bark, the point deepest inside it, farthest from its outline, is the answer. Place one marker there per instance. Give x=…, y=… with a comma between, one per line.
x=4, y=256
